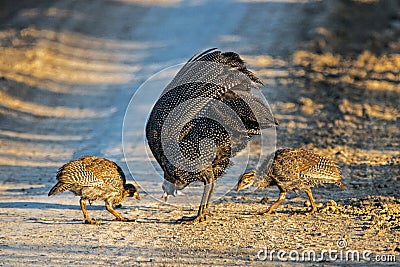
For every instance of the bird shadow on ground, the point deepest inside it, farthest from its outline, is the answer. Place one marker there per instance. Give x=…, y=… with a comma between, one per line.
x=42, y=205
x=28, y=191
x=158, y=221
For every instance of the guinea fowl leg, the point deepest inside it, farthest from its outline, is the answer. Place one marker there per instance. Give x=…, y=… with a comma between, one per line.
x=312, y=201
x=205, y=199
x=282, y=196
x=86, y=218
x=118, y=217
x=213, y=184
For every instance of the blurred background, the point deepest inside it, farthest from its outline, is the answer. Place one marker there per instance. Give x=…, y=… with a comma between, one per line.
x=69, y=68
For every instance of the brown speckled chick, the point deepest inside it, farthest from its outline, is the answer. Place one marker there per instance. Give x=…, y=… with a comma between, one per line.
x=95, y=178
x=293, y=169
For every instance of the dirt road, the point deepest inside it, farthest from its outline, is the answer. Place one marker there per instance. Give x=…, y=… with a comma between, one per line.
x=69, y=69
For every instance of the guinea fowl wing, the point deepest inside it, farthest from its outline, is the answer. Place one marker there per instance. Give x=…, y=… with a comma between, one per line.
x=203, y=118
x=107, y=171
x=325, y=171
x=76, y=173
x=307, y=166
x=203, y=78
x=289, y=163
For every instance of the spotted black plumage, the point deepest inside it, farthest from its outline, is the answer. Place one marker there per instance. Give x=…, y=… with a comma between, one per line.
x=293, y=169
x=202, y=119
x=95, y=178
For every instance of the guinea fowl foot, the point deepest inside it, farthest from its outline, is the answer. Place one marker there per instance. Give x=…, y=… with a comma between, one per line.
x=194, y=219
x=312, y=211
x=92, y=221
x=265, y=212
x=123, y=219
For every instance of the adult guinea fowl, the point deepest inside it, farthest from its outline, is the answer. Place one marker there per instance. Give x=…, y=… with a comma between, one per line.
x=293, y=169
x=202, y=119
x=95, y=178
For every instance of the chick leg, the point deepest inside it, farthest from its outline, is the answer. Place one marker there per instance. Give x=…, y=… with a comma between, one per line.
x=281, y=197
x=312, y=201
x=118, y=217
x=86, y=218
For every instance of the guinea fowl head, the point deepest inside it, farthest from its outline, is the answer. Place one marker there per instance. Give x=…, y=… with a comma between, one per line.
x=131, y=190
x=246, y=180
x=171, y=189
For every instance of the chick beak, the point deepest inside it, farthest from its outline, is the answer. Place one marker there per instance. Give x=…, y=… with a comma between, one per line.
x=136, y=195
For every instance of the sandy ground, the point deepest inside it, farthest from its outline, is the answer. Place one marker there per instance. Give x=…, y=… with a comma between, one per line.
x=69, y=68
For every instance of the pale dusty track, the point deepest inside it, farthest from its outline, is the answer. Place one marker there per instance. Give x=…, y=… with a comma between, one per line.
x=69, y=68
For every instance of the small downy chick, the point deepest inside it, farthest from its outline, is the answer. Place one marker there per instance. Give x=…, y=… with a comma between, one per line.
x=93, y=178
x=293, y=169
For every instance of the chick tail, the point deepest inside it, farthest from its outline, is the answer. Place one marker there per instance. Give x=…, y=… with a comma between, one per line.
x=58, y=188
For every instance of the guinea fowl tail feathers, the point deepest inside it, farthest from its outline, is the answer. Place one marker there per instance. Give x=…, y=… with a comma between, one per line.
x=197, y=57
x=231, y=59
x=58, y=188
x=235, y=61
